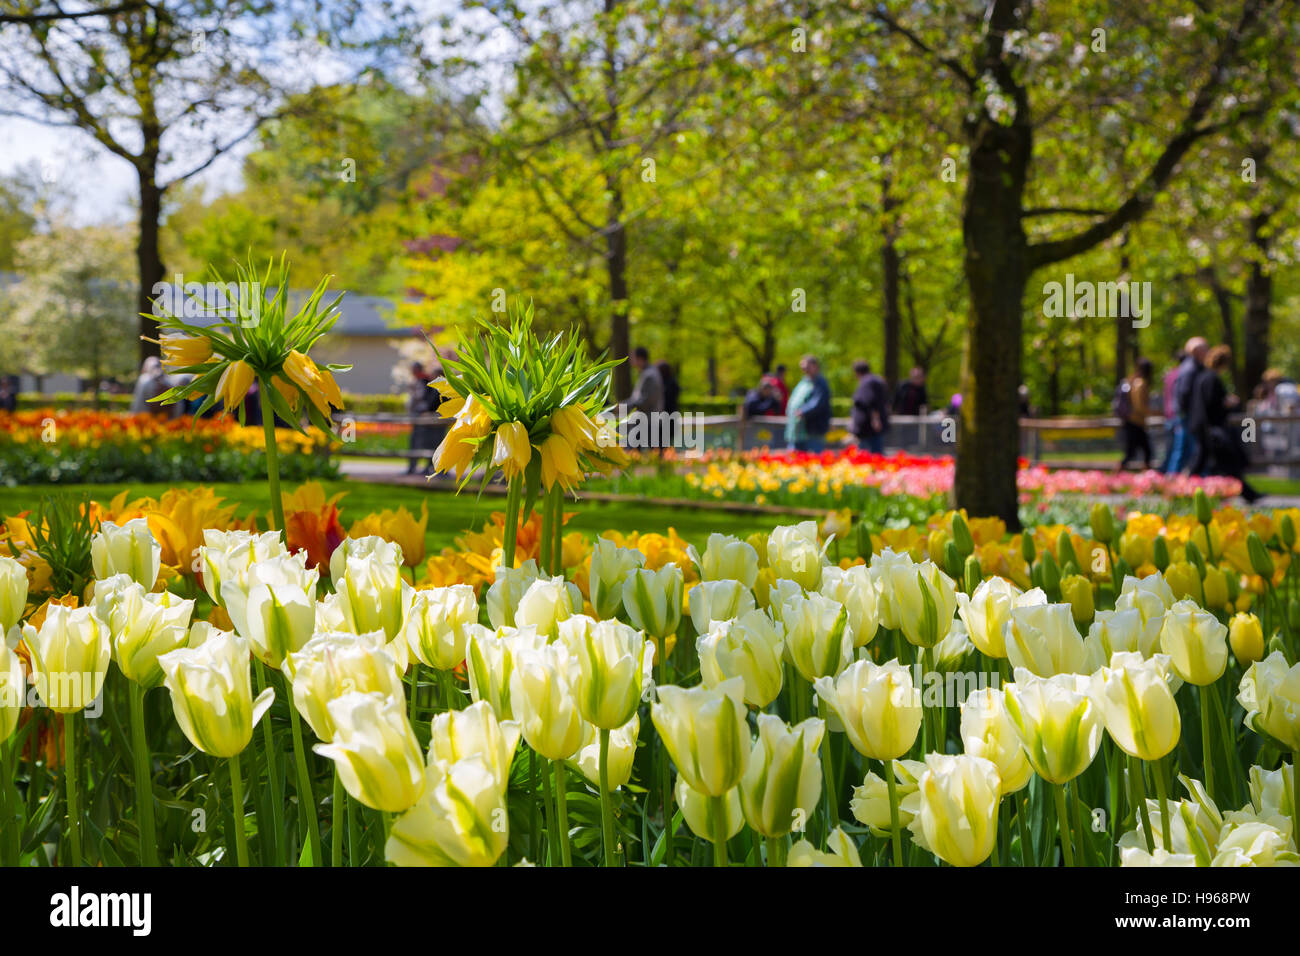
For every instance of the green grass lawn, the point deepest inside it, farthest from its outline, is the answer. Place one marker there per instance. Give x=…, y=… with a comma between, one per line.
x=449, y=514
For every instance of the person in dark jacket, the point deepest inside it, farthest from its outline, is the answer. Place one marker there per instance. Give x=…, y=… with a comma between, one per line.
x=870, y=408
x=763, y=399
x=912, y=396
x=672, y=388
x=1182, y=451
x=1219, y=447
x=808, y=413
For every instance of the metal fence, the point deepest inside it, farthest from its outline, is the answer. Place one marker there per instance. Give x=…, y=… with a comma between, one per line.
x=1273, y=442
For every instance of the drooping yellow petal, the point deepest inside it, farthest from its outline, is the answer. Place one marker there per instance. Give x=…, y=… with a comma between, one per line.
x=234, y=384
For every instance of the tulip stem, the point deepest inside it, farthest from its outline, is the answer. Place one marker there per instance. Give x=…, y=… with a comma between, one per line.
x=9, y=810
x=1162, y=793
x=276, y=834
x=557, y=559
x=606, y=804
x=545, y=550
x=1207, y=763
x=337, y=816
x=143, y=778
x=1026, y=845
x=1140, y=801
x=719, y=830
x=70, y=731
x=1295, y=790
x=832, y=798
x=552, y=824
x=562, y=814
x=775, y=851
x=450, y=692
x=237, y=811
x=895, y=832
x=272, y=456
x=306, y=799
x=1063, y=823
x=534, y=824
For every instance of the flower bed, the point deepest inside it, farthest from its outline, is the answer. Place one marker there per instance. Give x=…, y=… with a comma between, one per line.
x=47, y=446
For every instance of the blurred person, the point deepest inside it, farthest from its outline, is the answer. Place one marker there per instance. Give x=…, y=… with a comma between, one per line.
x=151, y=383
x=763, y=399
x=870, y=408
x=1219, y=447
x=648, y=395
x=777, y=377
x=911, y=397
x=672, y=388
x=421, y=400
x=8, y=395
x=1022, y=402
x=808, y=412
x=1133, y=406
x=1183, y=448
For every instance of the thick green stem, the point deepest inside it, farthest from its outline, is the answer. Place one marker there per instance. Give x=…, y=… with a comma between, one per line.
x=557, y=558
x=552, y=822
x=1207, y=762
x=237, y=811
x=306, y=799
x=451, y=694
x=775, y=851
x=832, y=798
x=606, y=803
x=535, y=830
x=1063, y=823
x=514, y=496
x=895, y=831
x=337, y=816
x=272, y=455
x=10, y=806
x=719, y=806
x=71, y=727
x=142, y=760
x=1162, y=794
x=562, y=814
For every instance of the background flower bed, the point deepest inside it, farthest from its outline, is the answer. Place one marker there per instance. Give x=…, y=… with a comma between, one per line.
x=48, y=446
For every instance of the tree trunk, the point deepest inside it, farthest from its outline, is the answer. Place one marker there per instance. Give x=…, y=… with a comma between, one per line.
x=616, y=260
x=890, y=267
x=1258, y=318
x=148, y=258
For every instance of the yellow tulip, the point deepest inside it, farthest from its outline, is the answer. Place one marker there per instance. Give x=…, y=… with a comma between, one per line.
x=13, y=594
x=234, y=384
x=1196, y=643
x=129, y=549
x=212, y=694
x=698, y=811
x=1270, y=694
x=375, y=751
x=1137, y=704
x=705, y=733
x=840, y=851
x=870, y=803
x=749, y=647
x=1056, y=721
x=455, y=735
x=334, y=663
x=877, y=705
x=69, y=654
x=957, y=813
x=1246, y=635
x=459, y=820
x=783, y=783
x=987, y=731
x=13, y=693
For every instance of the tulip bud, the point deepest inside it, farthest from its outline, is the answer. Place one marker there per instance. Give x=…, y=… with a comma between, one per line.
x=610, y=566
x=1137, y=704
x=1051, y=575
x=1260, y=560
x=375, y=751
x=546, y=603
x=1056, y=721
x=972, y=574
x=818, y=641
x=705, y=733
x=507, y=587
x=437, y=626
x=1076, y=590
x=952, y=561
x=1027, y=547
x=212, y=694
x=653, y=600
x=717, y=601
x=840, y=851
x=1160, y=553
x=13, y=693
x=1102, y=522
x=750, y=647
x=70, y=655
x=1196, y=643
x=371, y=592
x=987, y=731
x=961, y=536
x=615, y=668
x=1270, y=694
x=784, y=780
x=1204, y=513
x=877, y=705
x=727, y=558
x=1184, y=580
x=957, y=813
x=864, y=545
x=13, y=595
x=227, y=556
x=129, y=549
x=1194, y=557
x=1214, y=587
x=1286, y=528
x=1065, y=551
x=857, y=590
x=543, y=700
x=793, y=553
x=1246, y=636
x=698, y=811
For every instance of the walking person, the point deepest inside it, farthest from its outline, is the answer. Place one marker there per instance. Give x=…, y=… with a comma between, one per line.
x=808, y=413
x=1183, y=451
x=672, y=389
x=870, y=408
x=648, y=394
x=1133, y=407
x=912, y=397
x=420, y=400
x=1219, y=447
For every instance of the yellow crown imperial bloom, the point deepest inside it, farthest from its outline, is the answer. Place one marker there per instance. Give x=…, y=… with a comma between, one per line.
x=578, y=430
x=559, y=463
x=512, y=450
x=452, y=403
x=181, y=351
x=316, y=383
x=287, y=391
x=234, y=384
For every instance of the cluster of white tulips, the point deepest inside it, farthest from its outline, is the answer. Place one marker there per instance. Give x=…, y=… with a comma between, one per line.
x=808, y=682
